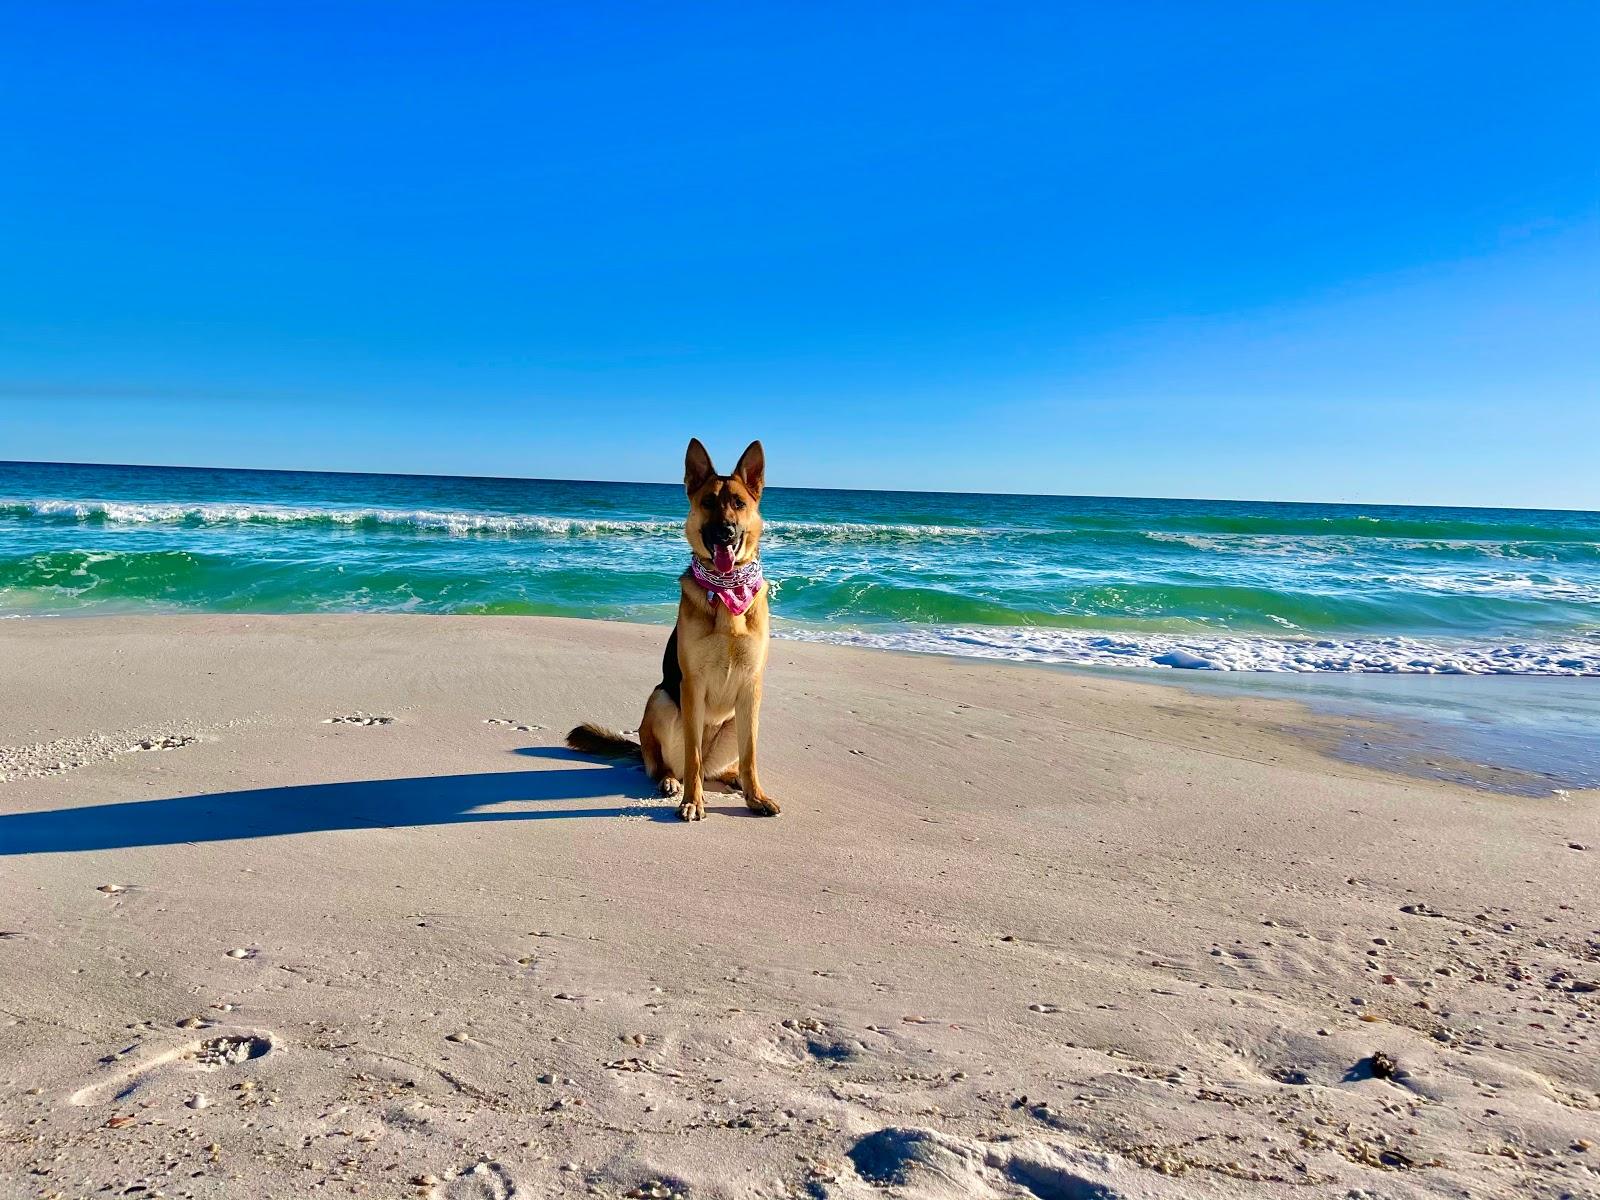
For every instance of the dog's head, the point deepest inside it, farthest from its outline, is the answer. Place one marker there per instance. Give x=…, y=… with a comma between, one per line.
x=724, y=525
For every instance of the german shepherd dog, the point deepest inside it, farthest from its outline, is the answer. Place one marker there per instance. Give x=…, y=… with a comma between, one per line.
x=702, y=718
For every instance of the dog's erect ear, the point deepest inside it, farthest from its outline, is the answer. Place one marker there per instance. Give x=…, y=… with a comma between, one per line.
x=752, y=468
x=697, y=468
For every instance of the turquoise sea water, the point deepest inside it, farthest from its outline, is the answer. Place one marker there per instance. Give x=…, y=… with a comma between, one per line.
x=1129, y=582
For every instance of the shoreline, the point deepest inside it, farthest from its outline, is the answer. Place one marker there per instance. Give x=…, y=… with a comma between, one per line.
x=1388, y=720
x=1116, y=582
x=1018, y=934
x=1300, y=654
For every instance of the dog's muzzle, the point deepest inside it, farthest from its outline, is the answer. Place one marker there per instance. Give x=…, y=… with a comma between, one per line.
x=719, y=533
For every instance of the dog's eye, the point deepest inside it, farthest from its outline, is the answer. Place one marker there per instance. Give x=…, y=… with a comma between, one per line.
x=738, y=503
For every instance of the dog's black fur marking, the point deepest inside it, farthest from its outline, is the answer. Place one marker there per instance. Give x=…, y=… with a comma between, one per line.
x=671, y=672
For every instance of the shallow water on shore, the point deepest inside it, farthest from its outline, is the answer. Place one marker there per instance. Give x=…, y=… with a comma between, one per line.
x=1520, y=735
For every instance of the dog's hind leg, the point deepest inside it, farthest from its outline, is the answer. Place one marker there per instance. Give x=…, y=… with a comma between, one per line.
x=658, y=734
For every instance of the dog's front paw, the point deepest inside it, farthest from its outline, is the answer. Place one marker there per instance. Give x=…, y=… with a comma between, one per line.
x=762, y=806
x=691, y=810
x=670, y=786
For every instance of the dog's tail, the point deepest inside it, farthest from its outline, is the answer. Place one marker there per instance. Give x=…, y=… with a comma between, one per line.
x=589, y=738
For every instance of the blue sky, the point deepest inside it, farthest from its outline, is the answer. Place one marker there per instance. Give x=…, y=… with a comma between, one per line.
x=1274, y=251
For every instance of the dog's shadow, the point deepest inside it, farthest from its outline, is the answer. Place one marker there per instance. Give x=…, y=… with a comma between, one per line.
x=545, y=794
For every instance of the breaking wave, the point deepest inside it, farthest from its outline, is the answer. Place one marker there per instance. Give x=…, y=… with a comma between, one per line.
x=1331, y=537
x=114, y=512
x=1376, y=655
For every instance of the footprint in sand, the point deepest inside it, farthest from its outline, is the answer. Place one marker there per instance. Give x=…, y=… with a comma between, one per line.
x=42, y=760
x=170, y=741
x=358, y=719
x=210, y=1054
x=485, y=1181
x=519, y=726
x=923, y=1162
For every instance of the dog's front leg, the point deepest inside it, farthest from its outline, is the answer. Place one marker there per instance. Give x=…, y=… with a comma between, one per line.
x=747, y=718
x=692, y=701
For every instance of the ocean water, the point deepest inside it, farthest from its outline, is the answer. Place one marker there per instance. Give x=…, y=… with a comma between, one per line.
x=1233, y=586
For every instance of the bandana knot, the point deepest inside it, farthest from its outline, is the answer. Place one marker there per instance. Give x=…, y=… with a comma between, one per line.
x=736, y=588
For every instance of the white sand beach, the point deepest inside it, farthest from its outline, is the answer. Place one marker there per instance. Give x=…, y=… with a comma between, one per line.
x=1020, y=932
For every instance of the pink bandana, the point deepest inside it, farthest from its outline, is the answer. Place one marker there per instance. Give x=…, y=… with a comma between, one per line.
x=736, y=588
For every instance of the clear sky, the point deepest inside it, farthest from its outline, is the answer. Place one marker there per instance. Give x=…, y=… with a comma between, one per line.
x=1274, y=251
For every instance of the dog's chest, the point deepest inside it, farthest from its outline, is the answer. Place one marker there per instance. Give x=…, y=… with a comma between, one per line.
x=725, y=652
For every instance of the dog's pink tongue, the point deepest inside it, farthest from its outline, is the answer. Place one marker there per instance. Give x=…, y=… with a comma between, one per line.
x=722, y=559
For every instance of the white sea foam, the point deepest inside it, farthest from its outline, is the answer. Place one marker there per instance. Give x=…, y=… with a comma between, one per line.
x=118, y=512
x=853, y=531
x=1538, y=587
x=1377, y=655
x=467, y=522
x=137, y=513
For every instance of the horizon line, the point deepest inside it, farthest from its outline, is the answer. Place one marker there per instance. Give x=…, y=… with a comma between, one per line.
x=25, y=462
